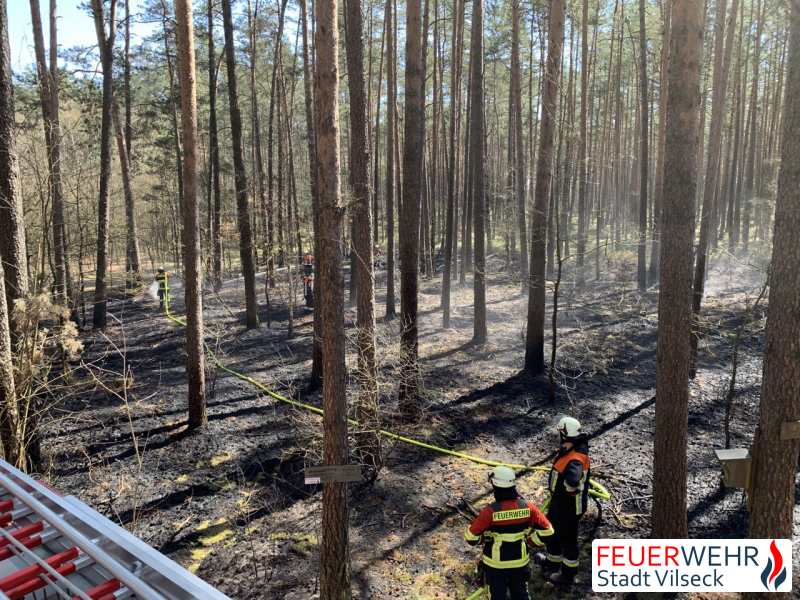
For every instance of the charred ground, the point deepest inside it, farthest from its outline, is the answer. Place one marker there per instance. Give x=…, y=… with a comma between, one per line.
x=229, y=502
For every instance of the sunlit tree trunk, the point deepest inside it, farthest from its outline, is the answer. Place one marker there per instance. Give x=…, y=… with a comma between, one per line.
x=644, y=146
x=369, y=437
x=334, y=567
x=213, y=151
x=478, y=173
x=749, y=176
x=391, y=75
x=12, y=219
x=52, y=136
x=451, y=221
x=413, y=148
x=103, y=207
x=519, y=154
x=240, y=176
x=582, y=156
x=534, y=338
x=316, y=352
x=776, y=463
x=674, y=305
x=195, y=360
x=655, y=249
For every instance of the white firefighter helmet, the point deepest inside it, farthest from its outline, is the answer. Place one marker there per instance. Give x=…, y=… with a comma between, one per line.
x=503, y=477
x=569, y=427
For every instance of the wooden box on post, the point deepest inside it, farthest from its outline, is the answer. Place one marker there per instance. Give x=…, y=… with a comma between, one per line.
x=736, y=464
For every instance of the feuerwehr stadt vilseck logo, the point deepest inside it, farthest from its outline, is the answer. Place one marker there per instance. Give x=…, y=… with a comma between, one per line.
x=774, y=573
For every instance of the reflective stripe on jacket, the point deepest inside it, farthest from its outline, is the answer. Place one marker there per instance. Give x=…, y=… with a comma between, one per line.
x=568, y=479
x=503, y=528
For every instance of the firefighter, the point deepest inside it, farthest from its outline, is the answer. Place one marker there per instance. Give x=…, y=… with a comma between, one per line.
x=377, y=255
x=308, y=290
x=506, y=528
x=162, y=279
x=569, y=490
x=308, y=263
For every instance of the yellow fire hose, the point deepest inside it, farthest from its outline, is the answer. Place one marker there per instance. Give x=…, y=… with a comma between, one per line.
x=596, y=489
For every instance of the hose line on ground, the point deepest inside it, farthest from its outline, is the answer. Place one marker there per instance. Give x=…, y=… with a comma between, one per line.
x=595, y=489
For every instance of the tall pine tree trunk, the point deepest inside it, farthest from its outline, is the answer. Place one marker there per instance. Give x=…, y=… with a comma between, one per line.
x=674, y=305
x=534, y=338
x=367, y=403
x=12, y=221
x=240, y=175
x=658, y=185
x=195, y=358
x=391, y=118
x=644, y=144
x=213, y=151
x=413, y=148
x=519, y=154
x=478, y=173
x=582, y=156
x=451, y=222
x=776, y=463
x=316, y=351
x=52, y=136
x=103, y=206
x=334, y=564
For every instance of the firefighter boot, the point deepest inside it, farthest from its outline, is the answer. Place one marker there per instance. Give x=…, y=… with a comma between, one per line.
x=558, y=578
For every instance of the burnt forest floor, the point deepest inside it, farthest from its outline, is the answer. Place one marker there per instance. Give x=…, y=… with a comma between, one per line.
x=229, y=502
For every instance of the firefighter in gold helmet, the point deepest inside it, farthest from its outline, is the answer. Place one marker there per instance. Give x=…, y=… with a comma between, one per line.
x=568, y=489
x=506, y=528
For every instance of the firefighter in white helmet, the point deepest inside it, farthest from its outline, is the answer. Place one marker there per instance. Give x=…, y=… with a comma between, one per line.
x=506, y=528
x=568, y=489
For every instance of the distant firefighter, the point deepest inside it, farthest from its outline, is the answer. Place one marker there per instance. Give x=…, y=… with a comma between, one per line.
x=308, y=289
x=162, y=278
x=308, y=263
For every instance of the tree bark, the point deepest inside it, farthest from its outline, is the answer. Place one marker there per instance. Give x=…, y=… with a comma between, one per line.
x=9, y=416
x=195, y=358
x=52, y=136
x=413, y=149
x=478, y=173
x=451, y=223
x=655, y=249
x=335, y=553
x=12, y=222
x=749, y=176
x=367, y=401
x=644, y=145
x=240, y=175
x=534, y=338
x=213, y=145
x=391, y=117
x=519, y=164
x=103, y=207
x=674, y=307
x=582, y=158
x=776, y=463
x=316, y=351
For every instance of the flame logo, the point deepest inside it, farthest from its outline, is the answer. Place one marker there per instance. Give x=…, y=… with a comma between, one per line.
x=774, y=573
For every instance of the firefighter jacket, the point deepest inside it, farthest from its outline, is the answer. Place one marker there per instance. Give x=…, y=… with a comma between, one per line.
x=162, y=279
x=506, y=529
x=569, y=479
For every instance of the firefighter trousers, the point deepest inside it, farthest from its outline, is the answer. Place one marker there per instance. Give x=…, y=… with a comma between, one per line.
x=500, y=581
x=562, y=547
